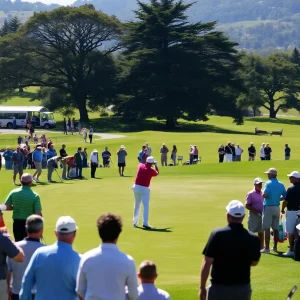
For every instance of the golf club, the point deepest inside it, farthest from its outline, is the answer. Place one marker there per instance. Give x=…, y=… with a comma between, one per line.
x=58, y=176
x=292, y=292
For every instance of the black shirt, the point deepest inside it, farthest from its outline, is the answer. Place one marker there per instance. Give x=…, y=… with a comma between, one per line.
x=221, y=150
x=228, y=150
x=252, y=151
x=233, y=249
x=232, y=150
x=63, y=152
x=267, y=151
x=293, y=197
x=287, y=151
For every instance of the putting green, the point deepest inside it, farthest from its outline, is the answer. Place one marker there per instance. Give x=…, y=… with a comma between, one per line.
x=187, y=202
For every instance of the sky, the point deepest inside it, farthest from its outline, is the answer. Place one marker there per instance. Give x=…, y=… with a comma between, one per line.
x=61, y=2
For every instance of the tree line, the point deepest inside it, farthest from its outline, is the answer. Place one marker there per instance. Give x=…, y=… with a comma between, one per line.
x=159, y=65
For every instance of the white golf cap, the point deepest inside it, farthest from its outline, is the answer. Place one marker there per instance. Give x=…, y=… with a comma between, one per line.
x=39, y=147
x=122, y=147
x=66, y=224
x=236, y=209
x=272, y=171
x=95, y=150
x=295, y=174
x=150, y=160
x=258, y=180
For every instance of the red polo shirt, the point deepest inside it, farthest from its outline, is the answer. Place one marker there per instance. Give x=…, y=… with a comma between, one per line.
x=144, y=175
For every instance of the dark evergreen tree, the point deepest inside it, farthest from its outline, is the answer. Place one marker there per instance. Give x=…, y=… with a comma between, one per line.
x=176, y=69
x=296, y=57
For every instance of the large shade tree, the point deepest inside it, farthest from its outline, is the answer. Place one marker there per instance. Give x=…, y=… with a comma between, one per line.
x=273, y=82
x=176, y=69
x=68, y=53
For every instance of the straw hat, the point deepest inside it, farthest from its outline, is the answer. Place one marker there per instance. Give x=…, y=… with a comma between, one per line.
x=122, y=147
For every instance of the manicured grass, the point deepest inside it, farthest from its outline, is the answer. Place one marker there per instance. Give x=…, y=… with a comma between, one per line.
x=187, y=202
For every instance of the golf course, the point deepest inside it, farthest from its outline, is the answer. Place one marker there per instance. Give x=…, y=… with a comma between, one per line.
x=187, y=202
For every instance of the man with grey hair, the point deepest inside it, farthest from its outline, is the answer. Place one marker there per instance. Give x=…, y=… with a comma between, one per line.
x=53, y=269
x=34, y=228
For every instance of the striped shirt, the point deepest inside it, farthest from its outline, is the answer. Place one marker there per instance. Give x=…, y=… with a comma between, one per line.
x=25, y=202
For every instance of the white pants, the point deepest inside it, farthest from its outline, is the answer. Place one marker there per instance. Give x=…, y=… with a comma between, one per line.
x=291, y=219
x=228, y=157
x=3, y=290
x=141, y=194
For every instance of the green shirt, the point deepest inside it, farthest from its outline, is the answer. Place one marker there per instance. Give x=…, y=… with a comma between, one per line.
x=25, y=202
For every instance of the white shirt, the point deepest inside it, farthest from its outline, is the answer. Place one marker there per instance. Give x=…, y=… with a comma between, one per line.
x=238, y=151
x=262, y=152
x=149, y=151
x=148, y=291
x=94, y=158
x=104, y=272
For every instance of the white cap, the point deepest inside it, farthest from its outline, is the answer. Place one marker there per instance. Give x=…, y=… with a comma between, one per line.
x=236, y=209
x=95, y=150
x=295, y=174
x=150, y=160
x=272, y=171
x=258, y=180
x=66, y=224
x=39, y=148
x=122, y=147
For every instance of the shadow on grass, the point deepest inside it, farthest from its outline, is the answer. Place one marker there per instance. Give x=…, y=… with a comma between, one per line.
x=26, y=95
x=116, y=124
x=275, y=121
x=168, y=229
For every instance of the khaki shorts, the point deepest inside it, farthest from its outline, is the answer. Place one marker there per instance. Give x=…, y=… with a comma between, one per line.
x=38, y=166
x=18, y=169
x=271, y=215
x=255, y=223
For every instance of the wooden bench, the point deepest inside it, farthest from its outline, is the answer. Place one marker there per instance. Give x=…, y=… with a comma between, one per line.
x=277, y=132
x=258, y=131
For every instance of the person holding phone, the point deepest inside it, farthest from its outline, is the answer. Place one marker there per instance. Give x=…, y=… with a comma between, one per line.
x=141, y=190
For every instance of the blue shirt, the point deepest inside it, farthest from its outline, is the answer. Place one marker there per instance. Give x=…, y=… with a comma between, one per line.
x=53, y=269
x=37, y=155
x=51, y=153
x=274, y=189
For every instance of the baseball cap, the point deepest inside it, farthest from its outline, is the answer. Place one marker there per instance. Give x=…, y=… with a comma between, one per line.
x=95, y=150
x=26, y=178
x=258, y=180
x=39, y=148
x=122, y=147
x=295, y=174
x=66, y=224
x=150, y=160
x=271, y=171
x=236, y=209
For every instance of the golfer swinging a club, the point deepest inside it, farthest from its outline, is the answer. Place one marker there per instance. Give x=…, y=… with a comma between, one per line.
x=141, y=190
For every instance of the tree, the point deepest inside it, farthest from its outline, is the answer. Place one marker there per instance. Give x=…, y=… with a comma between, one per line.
x=176, y=69
x=296, y=57
x=275, y=81
x=10, y=26
x=66, y=51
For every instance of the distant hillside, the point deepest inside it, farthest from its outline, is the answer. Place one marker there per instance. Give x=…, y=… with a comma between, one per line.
x=254, y=24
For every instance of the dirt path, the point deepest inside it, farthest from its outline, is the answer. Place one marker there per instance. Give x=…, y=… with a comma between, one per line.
x=103, y=136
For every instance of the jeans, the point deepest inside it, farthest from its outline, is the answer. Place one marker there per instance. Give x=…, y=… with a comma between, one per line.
x=78, y=171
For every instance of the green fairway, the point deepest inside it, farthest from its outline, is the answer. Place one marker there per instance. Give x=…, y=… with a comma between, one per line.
x=187, y=202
